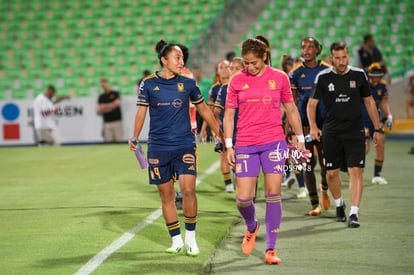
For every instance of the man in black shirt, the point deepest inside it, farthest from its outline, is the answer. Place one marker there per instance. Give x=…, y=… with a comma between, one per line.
x=109, y=106
x=342, y=89
x=369, y=53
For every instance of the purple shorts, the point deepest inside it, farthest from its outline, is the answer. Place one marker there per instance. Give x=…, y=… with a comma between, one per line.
x=271, y=157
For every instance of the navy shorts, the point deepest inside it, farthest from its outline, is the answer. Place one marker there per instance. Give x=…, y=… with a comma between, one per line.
x=167, y=165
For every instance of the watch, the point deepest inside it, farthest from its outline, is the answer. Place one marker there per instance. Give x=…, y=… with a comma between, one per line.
x=379, y=130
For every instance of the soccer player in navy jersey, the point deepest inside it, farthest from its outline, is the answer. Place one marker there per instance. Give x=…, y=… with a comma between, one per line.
x=302, y=78
x=223, y=71
x=172, y=148
x=379, y=92
x=342, y=89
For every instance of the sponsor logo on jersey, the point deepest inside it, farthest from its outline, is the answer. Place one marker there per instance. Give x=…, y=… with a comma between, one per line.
x=277, y=167
x=331, y=87
x=272, y=85
x=253, y=100
x=180, y=87
x=274, y=156
x=245, y=86
x=242, y=156
x=191, y=168
x=153, y=161
x=188, y=159
x=303, y=76
x=177, y=103
x=163, y=104
x=361, y=162
x=352, y=84
x=156, y=88
x=267, y=99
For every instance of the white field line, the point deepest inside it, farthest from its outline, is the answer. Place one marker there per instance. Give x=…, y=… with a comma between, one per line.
x=99, y=258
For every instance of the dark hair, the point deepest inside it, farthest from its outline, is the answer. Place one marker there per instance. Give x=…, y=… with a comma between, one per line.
x=103, y=79
x=262, y=38
x=337, y=46
x=186, y=52
x=368, y=37
x=230, y=55
x=163, y=49
x=51, y=88
x=285, y=61
x=375, y=70
x=256, y=46
x=315, y=42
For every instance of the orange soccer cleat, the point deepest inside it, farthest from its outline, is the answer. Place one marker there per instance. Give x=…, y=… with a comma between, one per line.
x=249, y=240
x=316, y=211
x=271, y=257
x=326, y=200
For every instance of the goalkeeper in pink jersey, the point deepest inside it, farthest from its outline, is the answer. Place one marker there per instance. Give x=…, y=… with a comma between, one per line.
x=257, y=91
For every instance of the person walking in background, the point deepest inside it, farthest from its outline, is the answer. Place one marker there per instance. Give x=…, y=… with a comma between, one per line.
x=379, y=92
x=302, y=78
x=44, y=112
x=286, y=65
x=109, y=105
x=172, y=151
x=370, y=53
x=258, y=91
x=342, y=89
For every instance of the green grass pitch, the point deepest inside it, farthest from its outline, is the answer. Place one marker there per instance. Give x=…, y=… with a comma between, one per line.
x=60, y=206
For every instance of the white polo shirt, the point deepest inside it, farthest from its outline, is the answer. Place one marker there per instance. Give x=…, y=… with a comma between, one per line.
x=41, y=104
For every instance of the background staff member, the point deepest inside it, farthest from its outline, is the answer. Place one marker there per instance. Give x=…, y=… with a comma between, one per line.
x=109, y=105
x=342, y=89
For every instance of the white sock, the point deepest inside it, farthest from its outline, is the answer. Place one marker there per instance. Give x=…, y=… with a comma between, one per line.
x=189, y=236
x=354, y=210
x=339, y=202
x=177, y=241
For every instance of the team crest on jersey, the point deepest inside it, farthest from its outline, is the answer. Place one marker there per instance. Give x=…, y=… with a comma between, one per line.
x=379, y=92
x=156, y=88
x=352, y=84
x=246, y=86
x=272, y=85
x=331, y=87
x=180, y=87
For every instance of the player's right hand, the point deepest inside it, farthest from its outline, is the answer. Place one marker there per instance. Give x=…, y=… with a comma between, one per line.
x=132, y=142
x=315, y=133
x=230, y=156
x=203, y=135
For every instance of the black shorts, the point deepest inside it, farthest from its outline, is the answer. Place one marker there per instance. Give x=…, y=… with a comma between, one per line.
x=167, y=165
x=340, y=150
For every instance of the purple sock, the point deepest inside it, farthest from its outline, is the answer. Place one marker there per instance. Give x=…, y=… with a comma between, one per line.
x=247, y=210
x=273, y=218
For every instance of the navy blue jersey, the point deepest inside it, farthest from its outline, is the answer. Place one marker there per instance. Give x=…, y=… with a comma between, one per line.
x=169, y=108
x=221, y=103
x=379, y=93
x=212, y=93
x=302, y=79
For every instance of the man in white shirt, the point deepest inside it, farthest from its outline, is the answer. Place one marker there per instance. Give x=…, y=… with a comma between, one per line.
x=44, y=116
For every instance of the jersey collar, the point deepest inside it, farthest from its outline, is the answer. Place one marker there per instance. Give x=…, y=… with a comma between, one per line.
x=347, y=70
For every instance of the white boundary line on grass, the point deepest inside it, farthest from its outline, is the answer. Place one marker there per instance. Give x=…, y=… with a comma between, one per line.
x=99, y=258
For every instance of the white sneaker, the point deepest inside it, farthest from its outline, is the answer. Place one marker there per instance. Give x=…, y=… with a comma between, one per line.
x=176, y=246
x=379, y=180
x=288, y=182
x=229, y=188
x=303, y=193
x=191, y=244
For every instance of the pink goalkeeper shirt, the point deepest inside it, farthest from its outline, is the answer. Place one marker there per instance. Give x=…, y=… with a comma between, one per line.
x=258, y=99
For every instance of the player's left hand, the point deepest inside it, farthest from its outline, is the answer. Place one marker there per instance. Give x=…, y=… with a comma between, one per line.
x=301, y=146
x=133, y=144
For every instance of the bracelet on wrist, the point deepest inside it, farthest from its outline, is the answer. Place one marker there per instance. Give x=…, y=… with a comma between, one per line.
x=379, y=130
